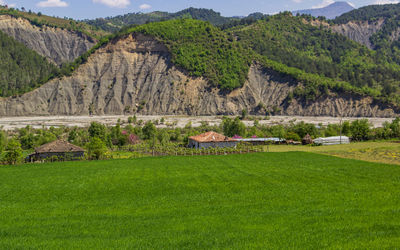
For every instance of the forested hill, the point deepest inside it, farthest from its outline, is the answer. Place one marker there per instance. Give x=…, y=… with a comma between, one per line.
x=113, y=24
x=21, y=69
x=327, y=56
x=386, y=40
x=370, y=13
x=324, y=61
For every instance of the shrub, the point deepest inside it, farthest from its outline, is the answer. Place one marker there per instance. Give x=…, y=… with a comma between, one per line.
x=13, y=152
x=96, y=149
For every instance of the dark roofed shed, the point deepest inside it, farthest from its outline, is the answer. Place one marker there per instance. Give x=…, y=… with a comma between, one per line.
x=59, y=149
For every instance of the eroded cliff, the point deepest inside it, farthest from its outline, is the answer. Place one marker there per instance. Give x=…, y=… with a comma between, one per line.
x=56, y=44
x=359, y=31
x=135, y=74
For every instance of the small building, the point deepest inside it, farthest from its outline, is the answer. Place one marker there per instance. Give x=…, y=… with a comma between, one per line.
x=58, y=150
x=211, y=140
x=334, y=140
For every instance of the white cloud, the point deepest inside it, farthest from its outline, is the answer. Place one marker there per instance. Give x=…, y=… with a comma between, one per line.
x=386, y=2
x=114, y=3
x=323, y=4
x=52, y=3
x=145, y=6
x=11, y=5
x=297, y=1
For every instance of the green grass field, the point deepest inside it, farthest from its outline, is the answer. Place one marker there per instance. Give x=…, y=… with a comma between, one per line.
x=380, y=151
x=265, y=200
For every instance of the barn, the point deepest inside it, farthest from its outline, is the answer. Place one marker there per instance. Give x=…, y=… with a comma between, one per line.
x=211, y=140
x=60, y=150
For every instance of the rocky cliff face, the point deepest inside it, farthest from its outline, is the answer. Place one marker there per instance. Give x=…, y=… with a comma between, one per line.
x=359, y=31
x=55, y=44
x=135, y=74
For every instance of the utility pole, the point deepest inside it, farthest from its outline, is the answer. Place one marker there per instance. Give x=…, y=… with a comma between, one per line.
x=341, y=127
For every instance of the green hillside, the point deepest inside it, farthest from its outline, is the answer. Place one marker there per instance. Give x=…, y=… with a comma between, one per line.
x=323, y=61
x=21, y=69
x=203, y=50
x=267, y=200
x=383, y=41
x=291, y=41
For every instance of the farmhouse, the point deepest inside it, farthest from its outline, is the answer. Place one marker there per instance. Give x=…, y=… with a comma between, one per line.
x=211, y=140
x=60, y=149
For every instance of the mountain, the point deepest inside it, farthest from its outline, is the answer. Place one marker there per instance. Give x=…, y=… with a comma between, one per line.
x=34, y=45
x=59, y=40
x=113, y=24
x=330, y=12
x=191, y=67
x=376, y=26
x=56, y=44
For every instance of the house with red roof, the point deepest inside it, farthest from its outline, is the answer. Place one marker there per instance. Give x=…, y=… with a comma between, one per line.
x=211, y=140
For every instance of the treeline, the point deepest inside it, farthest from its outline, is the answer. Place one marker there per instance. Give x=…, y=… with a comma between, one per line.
x=369, y=13
x=21, y=69
x=113, y=24
x=98, y=138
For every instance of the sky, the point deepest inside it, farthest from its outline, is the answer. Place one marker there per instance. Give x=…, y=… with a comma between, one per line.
x=89, y=9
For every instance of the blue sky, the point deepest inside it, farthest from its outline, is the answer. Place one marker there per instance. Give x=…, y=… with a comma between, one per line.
x=81, y=9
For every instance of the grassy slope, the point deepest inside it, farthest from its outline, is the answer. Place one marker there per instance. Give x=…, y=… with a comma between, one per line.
x=276, y=200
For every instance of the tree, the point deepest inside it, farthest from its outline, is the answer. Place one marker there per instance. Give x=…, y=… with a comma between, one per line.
x=96, y=148
x=163, y=137
x=13, y=152
x=244, y=114
x=233, y=127
x=149, y=130
x=3, y=141
x=97, y=130
x=360, y=129
x=395, y=127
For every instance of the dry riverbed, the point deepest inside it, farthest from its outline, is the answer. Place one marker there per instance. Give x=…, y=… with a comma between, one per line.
x=9, y=123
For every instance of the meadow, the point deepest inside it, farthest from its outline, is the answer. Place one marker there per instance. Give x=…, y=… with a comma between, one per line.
x=262, y=200
x=373, y=151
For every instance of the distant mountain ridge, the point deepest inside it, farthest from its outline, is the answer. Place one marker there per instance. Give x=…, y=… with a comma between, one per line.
x=330, y=12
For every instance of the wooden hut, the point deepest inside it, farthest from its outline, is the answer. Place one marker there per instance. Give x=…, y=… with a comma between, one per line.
x=211, y=140
x=58, y=150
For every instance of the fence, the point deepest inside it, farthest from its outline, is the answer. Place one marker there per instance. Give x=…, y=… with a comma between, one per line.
x=175, y=150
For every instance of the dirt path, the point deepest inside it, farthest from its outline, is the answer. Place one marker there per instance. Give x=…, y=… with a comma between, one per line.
x=9, y=123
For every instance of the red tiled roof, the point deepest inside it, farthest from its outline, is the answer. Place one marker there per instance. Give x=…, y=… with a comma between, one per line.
x=211, y=137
